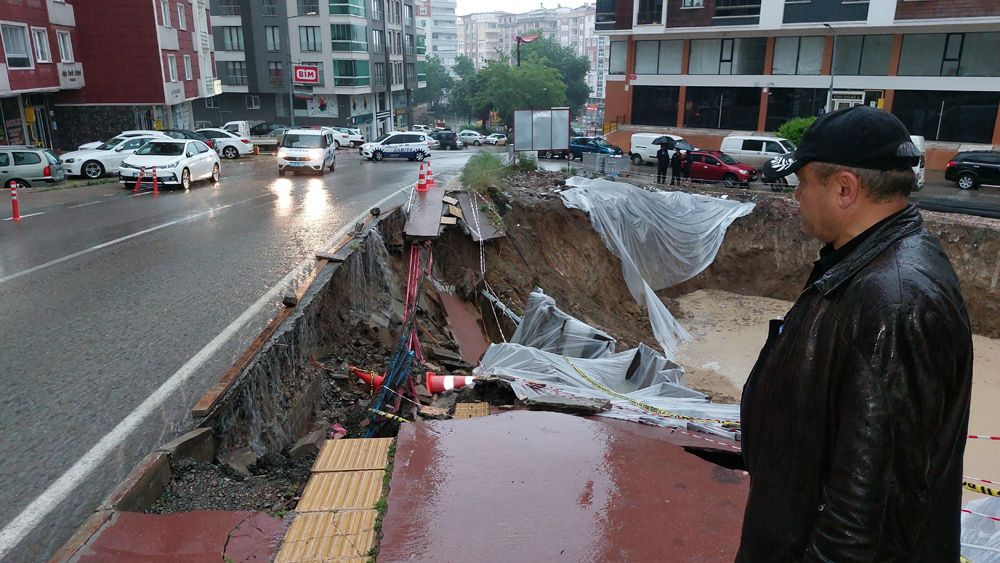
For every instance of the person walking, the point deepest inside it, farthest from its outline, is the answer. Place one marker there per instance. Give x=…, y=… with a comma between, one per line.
x=686, y=161
x=662, y=161
x=675, y=168
x=855, y=416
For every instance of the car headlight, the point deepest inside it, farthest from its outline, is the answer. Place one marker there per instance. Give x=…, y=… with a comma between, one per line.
x=127, y=165
x=70, y=160
x=170, y=164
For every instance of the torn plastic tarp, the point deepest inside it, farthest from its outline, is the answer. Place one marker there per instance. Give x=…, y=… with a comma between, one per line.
x=556, y=354
x=662, y=239
x=546, y=327
x=980, y=535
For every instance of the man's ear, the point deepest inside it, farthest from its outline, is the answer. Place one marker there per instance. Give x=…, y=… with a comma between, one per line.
x=847, y=188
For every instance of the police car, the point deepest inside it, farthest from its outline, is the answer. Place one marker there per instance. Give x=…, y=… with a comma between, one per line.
x=410, y=145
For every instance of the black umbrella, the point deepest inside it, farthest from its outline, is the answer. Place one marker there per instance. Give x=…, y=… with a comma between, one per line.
x=665, y=140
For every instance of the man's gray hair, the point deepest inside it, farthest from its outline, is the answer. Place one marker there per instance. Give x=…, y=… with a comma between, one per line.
x=882, y=185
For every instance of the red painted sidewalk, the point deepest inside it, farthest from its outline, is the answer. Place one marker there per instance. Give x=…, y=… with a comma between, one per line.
x=539, y=486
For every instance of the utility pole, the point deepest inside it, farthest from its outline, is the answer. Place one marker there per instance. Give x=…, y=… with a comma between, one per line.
x=833, y=68
x=291, y=75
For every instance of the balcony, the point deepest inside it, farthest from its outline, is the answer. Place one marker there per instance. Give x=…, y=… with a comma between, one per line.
x=234, y=80
x=737, y=9
x=61, y=13
x=229, y=8
x=70, y=76
x=306, y=6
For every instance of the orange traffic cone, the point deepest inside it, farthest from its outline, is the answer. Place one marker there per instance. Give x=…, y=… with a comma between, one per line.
x=439, y=383
x=430, y=176
x=422, y=180
x=369, y=377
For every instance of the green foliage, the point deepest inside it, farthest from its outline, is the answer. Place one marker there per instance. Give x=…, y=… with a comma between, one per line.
x=439, y=83
x=572, y=68
x=524, y=164
x=464, y=67
x=483, y=171
x=795, y=128
x=502, y=87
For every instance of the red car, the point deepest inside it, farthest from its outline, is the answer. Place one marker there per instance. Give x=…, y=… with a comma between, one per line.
x=719, y=167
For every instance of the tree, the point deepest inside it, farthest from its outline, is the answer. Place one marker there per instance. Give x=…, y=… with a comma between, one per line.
x=573, y=69
x=505, y=88
x=439, y=83
x=793, y=129
x=464, y=67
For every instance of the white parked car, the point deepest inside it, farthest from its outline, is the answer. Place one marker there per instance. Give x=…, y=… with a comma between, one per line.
x=105, y=159
x=340, y=138
x=421, y=128
x=354, y=136
x=177, y=162
x=470, y=137
x=398, y=144
x=132, y=133
x=307, y=150
x=229, y=145
x=498, y=139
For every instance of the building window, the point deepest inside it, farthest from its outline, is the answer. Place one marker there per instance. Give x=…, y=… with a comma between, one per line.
x=692, y=3
x=408, y=15
x=65, y=46
x=272, y=37
x=309, y=39
x=229, y=7
x=172, y=67
x=658, y=57
x=619, y=52
x=798, y=55
x=15, y=45
x=737, y=8
x=948, y=116
x=275, y=73
x=421, y=71
x=377, y=13
x=212, y=103
x=727, y=56
x=784, y=104
x=40, y=36
x=655, y=105
x=319, y=71
x=233, y=73
x=268, y=7
x=348, y=7
x=722, y=108
x=650, y=12
x=408, y=45
x=421, y=44
x=252, y=102
x=378, y=42
x=378, y=78
x=232, y=38
x=181, y=17
x=187, y=67
x=351, y=73
x=862, y=55
x=165, y=13
x=307, y=7
x=348, y=37
x=952, y=54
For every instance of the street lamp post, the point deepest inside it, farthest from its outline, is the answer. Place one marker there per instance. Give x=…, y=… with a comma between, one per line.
x=833, y=69
x=291, y=75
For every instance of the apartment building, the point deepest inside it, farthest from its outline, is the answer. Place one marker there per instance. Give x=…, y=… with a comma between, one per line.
x=146, y=74
x=39, y=60
x=369, y=56
x=754, y=64
x=480, y=40
x=442, y=42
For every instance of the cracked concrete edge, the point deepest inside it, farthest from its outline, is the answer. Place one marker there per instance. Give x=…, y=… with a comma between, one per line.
x=90, y=529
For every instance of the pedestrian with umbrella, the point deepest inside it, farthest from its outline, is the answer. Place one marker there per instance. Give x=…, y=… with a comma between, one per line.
x=666, y=144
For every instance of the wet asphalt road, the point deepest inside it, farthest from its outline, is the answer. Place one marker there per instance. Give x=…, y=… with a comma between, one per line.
x=105, y=296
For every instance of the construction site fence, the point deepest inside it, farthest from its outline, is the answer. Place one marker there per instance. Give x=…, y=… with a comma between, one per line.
x=613, y=166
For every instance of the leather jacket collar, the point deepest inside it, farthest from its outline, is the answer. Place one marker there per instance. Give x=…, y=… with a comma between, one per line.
x=905, y=224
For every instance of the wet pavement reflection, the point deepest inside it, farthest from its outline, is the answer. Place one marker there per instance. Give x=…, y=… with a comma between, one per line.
x=536, y=486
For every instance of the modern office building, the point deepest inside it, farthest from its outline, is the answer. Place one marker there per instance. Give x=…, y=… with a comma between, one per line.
x=754, y=64
x=368, y=53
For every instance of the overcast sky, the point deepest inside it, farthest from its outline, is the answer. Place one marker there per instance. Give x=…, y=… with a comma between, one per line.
x=513, y=6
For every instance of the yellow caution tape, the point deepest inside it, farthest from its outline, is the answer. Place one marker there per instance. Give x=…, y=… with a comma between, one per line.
x=389, y=415
x=644, y=406
x=981, y=489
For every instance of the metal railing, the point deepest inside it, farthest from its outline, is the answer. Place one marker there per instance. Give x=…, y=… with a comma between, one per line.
x=234, y=80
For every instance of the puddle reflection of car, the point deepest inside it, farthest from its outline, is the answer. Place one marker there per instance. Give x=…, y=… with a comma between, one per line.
x=176, y=162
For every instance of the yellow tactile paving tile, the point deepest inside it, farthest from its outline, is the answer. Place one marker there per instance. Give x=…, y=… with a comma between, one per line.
x=471, y=410
x=335, y=491
x=353, y=455
x=329, y=536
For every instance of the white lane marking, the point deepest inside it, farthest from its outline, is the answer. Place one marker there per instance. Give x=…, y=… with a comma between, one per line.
x=84, y=204
x=109, y=195
x=23, y=216
x=139, y=194
x=22, y=524
x=123, y=239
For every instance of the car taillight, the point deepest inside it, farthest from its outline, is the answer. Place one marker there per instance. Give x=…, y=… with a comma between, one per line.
x=951, y=163
x=247, y=141
x=47, y=171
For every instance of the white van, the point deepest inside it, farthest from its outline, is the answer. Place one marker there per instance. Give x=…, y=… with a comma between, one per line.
x=307, y=150
x=920, y=169
x=756, y=150
x=398, y=144
x=643, y=150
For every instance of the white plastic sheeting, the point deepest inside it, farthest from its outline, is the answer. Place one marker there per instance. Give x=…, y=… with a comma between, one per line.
x=661, y=238
x=981, y=536
x=640, y=375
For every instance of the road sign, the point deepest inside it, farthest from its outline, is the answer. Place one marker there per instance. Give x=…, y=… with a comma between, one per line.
x=306, y=74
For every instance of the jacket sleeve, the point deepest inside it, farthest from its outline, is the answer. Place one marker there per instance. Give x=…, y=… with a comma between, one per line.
x=887, y=402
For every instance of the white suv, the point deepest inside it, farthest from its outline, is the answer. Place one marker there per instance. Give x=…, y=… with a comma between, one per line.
x=470, y=137
x=412, y=146
x=307, y=150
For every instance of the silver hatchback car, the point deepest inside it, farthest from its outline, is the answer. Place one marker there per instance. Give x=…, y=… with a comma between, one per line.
x=29, y=165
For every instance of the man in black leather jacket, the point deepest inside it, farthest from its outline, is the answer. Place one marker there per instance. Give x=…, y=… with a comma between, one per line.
x=856, y=413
